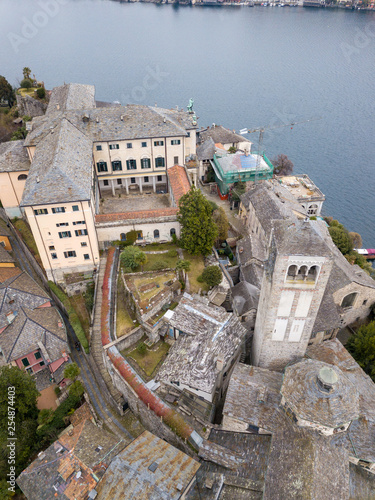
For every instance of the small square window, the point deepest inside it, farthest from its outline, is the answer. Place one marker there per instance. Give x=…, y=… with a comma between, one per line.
x=132, y=180
x=37, y=355
x=51, y=247
x=53, y=255
x=160, y=178
x=188, y=134
x=25, y=362
x=105, y=183
x=145, y=179
x=129, y=145
x=119, y=181
x=83, y=243
x=98, y=147
x=144, y=144
x=41, y=364
x=86, y=256
x=75, y=208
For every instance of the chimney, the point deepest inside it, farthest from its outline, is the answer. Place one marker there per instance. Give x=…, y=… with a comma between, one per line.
x=219, y=363
x=37, y=179
x=85, y=118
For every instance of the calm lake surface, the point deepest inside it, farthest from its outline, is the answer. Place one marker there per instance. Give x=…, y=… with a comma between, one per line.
x=244, y=67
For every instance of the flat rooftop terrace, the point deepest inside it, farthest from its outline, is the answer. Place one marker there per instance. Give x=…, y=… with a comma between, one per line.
x=301, y=186
x=133, y=203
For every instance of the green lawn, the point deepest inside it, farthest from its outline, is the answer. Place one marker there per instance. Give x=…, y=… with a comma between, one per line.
x=152, y=259
x=124, y=322
x=159, y=246
x=196, y=269
x=31, y=92
x=151, y=359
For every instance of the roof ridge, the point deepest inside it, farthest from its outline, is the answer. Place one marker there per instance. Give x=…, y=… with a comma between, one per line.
x=18, y=336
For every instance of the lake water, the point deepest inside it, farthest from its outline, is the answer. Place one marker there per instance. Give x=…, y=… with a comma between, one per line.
x=244, y=67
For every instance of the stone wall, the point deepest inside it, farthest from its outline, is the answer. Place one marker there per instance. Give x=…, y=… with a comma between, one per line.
x=126, y=341
x=363, y=301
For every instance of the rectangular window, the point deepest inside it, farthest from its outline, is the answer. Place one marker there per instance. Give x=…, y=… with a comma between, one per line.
x=102, y=166
x=65, y=234
x=51, y=247
x=131, y=164
x=40, y=211
x=175, y=160
x=81, y=232
x=114, y=146
x=160, y=178
x=37, y=355
x=145, y=163
x=62, y=224
x=83, y=243
x=98, y=147
x=144, y=144
x=188, y=134
x=71, y=253
x=119, y=181
x=25, y=362
x=159, y=162
x=75, y=208
x=77, y=222
x=145, y=179
x=175, y=142
x=132, y=180
x=105, y=182
x=116, y=165
x=129, y=145
x=86, y=256
x=58, y=210
x=158, y=143
x=53, y=255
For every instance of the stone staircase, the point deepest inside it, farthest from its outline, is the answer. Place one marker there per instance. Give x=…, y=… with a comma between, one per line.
x=96, y=340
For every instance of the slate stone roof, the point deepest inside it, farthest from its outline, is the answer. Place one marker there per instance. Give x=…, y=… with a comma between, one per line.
x=3, y=230
x=179, y=182
x=61, y=168
x=71, y=96
x=245, y=297
x=252, y=273
x=308, y=401
x=13, y=157
x=246, y=481
x=133, y=121
x=147, y=469
x=222, y=135
x=206, y=150
x=210, y=333
x=29, y=329
x=5, y=257
x=249, y=248
x=54, y=474
x=20, y=291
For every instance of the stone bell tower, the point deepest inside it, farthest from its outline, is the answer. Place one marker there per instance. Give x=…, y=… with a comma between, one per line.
x=296, y=274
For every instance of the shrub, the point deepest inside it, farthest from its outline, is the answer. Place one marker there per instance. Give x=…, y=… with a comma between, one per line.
x=158, y=265
x=212, y=275
x=26, y=84
x=200, y=279
x=142, y=348
x=57, y=391
x=133, y=257
x=172, y=252
x=76, y=389
x=41, y=92
x=26, y=118
x=213, y=205
x=174, y=239
x=132, y=236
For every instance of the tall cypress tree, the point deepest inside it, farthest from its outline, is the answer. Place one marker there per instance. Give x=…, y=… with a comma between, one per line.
x=198, y=229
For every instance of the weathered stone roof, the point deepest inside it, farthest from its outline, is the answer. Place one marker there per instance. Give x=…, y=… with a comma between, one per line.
x=308, y=401
x=133, y=121
x=5, y=257
x=210, y=333
x=222, y=135
x=245, y=297
x=61, y=168
x=206, y=150
x=252, y=273
x=147, y=469
x=249, y=248
x=13, y=157
x=71, y=96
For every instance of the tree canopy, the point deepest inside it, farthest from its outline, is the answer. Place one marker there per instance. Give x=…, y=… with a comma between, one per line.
x=362, y=347
x=132, y=257
x=212, y=275
x=282, y=165
x=222, y=223
x=6, y=91
x=198, y=230
x=72, y=371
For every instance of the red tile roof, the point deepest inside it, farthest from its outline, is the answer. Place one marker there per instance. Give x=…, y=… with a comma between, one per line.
x=142, y=214
x=179, y=182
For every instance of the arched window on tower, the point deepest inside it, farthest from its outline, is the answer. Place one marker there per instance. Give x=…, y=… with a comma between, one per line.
x=292, y=271
x=302, y=273
x=349, y=300
x=313, y=209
